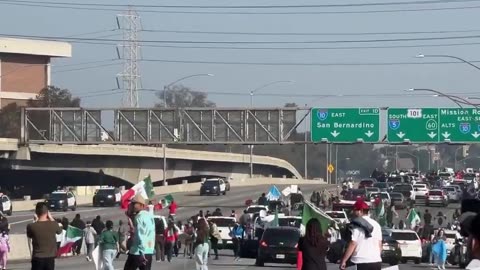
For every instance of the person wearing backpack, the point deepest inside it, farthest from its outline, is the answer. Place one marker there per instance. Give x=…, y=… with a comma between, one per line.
x=4, y=249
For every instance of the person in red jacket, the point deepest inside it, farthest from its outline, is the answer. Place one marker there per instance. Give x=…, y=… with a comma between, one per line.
x=173, y=208
x=171, y=238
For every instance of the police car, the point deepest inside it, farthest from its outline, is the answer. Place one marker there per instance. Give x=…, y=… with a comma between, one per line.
x=6, y=205
x=107, y=196
x=61, y=200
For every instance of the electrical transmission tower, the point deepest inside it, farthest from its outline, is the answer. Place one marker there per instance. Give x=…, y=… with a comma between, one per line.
x=129, y=23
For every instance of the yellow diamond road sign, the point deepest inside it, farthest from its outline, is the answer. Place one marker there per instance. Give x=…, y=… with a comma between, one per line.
x=330, y=168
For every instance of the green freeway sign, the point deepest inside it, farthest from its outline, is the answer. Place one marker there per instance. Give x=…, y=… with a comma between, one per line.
x=412, y=125
x=345, y=125
x=460, y=125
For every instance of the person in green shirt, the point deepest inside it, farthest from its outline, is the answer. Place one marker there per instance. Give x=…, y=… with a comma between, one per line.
x=109, y=245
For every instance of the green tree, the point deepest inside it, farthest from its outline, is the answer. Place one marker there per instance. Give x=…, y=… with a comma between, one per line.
x=180, y=96
x=50, y=96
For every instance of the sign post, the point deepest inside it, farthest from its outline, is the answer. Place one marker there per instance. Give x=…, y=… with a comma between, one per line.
x=345, y=125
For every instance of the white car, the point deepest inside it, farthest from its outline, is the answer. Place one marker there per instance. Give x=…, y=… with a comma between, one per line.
x=224, y=225
x=6, y=205
x=338, y=216
x=451, y=236
x=410, y=244
x=452, y=194
x=421, y=191
x=61, y=200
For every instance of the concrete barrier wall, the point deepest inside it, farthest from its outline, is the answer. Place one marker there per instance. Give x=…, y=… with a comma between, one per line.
x=30, y=205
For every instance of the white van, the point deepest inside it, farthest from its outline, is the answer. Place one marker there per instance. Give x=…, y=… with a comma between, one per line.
x=410, y=245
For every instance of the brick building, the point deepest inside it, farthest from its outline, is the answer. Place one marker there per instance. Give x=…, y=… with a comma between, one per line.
x=25, y=67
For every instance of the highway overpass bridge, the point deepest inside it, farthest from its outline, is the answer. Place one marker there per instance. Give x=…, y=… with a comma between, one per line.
x=132, y=163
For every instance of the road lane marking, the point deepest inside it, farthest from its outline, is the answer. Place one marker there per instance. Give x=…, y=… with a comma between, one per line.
x=80, y=211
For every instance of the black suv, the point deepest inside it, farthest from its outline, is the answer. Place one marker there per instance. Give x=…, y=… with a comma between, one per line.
x=391, y=252
x=278, y=245
x=106, y=197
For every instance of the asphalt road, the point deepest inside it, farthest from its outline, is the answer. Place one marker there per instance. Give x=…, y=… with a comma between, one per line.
x=188, y=205
x=181, y=263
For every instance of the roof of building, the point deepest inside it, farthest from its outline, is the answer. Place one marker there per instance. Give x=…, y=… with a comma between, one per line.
x=35, y=47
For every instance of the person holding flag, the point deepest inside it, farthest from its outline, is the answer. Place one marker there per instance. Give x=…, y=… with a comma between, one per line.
x=413, y=218
x=380, y=211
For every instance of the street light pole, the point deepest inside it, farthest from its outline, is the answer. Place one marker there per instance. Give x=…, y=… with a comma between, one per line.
x=448, y=56
x=305, y=159
x=165, y=89
x=455, y=164
x=252, y=92
x=456, y=99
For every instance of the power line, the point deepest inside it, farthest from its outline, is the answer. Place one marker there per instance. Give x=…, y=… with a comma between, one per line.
x=308, y=34
x=59, y=38
x=220, y=12
x=86, y=68
x=300, y=63
x=402, y=3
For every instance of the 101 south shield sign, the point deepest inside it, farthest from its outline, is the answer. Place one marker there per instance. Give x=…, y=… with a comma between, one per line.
x=342, y=125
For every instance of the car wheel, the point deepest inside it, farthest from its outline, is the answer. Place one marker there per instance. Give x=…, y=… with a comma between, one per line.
x=74, y=206
x=259, y=262
x=10, y=212
x=404, y=261
x=224, y=193
x=417, y=261
x=393, y=262
x=65, y=208
x=218, y=193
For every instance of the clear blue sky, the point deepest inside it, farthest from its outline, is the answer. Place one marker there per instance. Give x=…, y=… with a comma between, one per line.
x=381, y=80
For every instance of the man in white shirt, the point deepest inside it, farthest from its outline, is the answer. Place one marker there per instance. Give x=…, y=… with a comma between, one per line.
x=365, y=247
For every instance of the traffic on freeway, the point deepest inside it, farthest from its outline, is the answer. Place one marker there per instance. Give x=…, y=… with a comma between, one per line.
x=415, y=218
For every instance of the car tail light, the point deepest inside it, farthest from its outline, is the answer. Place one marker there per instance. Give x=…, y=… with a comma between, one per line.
x=263, y=244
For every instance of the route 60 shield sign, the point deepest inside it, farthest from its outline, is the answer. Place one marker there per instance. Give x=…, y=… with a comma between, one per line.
x=465, y=128
x=322, y=115
x=394, y=124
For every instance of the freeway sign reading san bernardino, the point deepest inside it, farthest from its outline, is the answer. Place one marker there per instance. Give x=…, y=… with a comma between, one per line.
x=460, y=125
x=345, y=125
x=412, y=125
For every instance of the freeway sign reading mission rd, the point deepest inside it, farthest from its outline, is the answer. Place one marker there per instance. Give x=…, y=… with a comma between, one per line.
x=345, y=125
x=413, y=125
x=460, y=125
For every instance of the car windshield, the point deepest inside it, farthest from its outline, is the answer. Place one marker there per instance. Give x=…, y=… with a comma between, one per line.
x=450, y=235
x=402, y=187
x=396, y=195
x=105, y=192
x=252, y=210
x=469, y=176
x=366, y=182
x=358, y=191
x=420, y=186
x=289, y=238
x=394, y=179
x=223, y=222
x=444, y=175
x=404, y=236
x=290, y=222
x=380, y=185
x=372, y=189
x=435, y=193
x=449, y=189
x=57, y=196
x=336, y=214
x=211, y=183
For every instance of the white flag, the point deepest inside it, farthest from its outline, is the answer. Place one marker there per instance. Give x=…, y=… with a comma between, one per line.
x=97, y=258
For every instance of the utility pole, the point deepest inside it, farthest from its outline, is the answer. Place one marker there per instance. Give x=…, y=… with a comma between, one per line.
x=129, y=23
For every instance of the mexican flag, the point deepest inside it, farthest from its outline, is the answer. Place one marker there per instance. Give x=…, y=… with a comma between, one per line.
x=73, y=235
x=167, y=200
x=413, y=218
x=311, y=211
x=145, y=188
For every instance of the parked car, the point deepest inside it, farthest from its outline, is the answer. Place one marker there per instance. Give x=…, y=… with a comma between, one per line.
x=61, y=200
x=410, y=245
x=366, y=183
x=452, y=194
x=437, y=197
x=6, y=204
x=278, y=245
x=214, y=186
x=406, y=189
x=421, y=191
x=106, y=196
x=398, y=200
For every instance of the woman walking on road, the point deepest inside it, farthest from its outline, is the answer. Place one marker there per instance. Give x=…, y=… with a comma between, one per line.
x=109, y=245
x=4, y=249
x=201, y=246
x=313, y=247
